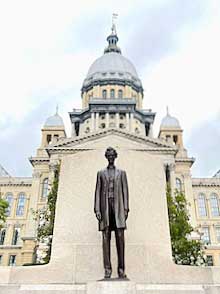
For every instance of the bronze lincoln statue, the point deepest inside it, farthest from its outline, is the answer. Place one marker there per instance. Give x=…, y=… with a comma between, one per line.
x=111, y=209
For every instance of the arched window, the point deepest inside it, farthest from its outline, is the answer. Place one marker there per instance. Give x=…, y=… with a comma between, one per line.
x=137, y=131
x=9, y=199
x=16, y=235
x=120, y=94
x=214, y=205
x=178, y=185
x=45, y=188
x=2, y=236
x=104, y=94
x=87, y=130
x=20, y=205
x=102, y=126
x=202, y=205
x=112, y=93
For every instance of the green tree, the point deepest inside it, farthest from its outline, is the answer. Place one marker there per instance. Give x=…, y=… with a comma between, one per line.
x=3, y=211
x=185, y=251
x=46, y=218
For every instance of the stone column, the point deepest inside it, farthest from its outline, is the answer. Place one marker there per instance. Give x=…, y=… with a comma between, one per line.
x=151, y=131
x=172, y=177
x=127, y=122
x=132, y=122
x=30, y=235
x=92, y=121
x=73, y=130
x=28, y=250
x=117, y=120
x=97, y=121
x=107, y=120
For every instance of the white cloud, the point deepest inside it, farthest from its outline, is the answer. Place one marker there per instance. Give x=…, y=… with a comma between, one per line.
x=42, y=59
x=188, y=81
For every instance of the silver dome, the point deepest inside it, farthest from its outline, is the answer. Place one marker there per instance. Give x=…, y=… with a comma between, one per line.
x=112, y=66
x=170, y=122
x=112, y=63
x=54, y=121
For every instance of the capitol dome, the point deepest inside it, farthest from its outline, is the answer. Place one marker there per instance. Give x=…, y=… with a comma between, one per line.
x=112, y=63
x=54, y=121
x=112, y=68
x=170, y=122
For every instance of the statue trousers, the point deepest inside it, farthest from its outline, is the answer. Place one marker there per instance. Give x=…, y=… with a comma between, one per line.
x=119, y=237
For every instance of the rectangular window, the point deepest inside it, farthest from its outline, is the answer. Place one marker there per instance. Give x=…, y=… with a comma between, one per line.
x=0, y=259
x=2, y=236
x=210, y=260
x=214, y=203
x=49, y=137
x=202, y=205
x=20, y=205
x=205, y=235
x=168, y=138
x=12, y=260
x=9, y=199
x=217, y=233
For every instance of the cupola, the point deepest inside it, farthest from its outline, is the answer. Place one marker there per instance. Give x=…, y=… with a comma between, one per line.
x=170, y=130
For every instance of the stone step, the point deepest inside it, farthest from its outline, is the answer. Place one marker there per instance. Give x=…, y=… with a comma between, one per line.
x=109, y=287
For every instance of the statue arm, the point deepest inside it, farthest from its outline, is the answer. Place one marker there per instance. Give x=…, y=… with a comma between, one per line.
x=97, y=196
x=125, y=191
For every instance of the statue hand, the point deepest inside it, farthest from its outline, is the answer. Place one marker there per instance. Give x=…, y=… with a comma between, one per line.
x=126, y=214
x=98, y=216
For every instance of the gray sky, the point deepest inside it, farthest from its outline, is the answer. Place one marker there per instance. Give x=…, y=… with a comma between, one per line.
x=47, y=48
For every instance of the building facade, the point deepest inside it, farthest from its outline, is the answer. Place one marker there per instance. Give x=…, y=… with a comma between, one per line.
x=112, y=98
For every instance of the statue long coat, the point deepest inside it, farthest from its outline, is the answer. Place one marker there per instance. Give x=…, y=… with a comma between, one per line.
x=120, y=198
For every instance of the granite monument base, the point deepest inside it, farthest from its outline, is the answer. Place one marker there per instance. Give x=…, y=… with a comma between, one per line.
x=76, y=260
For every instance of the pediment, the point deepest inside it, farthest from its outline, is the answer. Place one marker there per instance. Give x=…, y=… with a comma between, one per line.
x=112, y=137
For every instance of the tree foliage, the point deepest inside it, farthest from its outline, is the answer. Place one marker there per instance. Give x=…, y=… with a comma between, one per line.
x=46, y=218
x=184, y=250
x=3, y=211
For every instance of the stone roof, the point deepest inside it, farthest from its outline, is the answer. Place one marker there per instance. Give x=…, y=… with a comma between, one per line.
x=217, y=175
x=54, y=121
x=3, y=172
x=170, y=122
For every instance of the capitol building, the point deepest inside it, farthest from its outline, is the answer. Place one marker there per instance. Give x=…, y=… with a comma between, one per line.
x=112, y=104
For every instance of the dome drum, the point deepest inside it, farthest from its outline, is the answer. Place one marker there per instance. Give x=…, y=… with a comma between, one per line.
x=89, y=84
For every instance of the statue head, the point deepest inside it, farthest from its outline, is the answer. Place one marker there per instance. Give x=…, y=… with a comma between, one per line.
x=111, y=154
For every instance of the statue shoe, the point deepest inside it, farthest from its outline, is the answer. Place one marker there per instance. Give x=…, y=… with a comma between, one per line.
x=108, y=273
x=121, y=274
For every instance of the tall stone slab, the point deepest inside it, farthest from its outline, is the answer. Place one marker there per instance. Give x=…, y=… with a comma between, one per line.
x=77, y=241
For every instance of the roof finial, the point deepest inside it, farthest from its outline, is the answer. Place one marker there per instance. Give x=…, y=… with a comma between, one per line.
x=113, y=38
x=114, y=17
x=168, y=111
x=57, y=108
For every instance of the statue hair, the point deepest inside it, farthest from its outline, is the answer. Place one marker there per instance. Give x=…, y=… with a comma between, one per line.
x=110, y=149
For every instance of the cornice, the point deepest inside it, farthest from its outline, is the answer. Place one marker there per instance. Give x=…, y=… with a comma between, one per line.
x=63, y=146
x=205, y=182
x=112, y=81
x=38, y=160
x=22, y=182
x=189, y=160
x=186, y=159
x=71, y=150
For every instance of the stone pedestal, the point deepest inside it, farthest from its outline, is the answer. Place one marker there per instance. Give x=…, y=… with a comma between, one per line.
x=76, y=263
x=111, y=287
